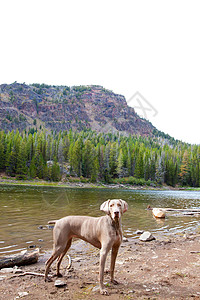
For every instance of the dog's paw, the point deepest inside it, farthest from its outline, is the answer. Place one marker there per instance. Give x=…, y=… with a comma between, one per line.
x=48, y=279
x=59, y=274
x=104, y=292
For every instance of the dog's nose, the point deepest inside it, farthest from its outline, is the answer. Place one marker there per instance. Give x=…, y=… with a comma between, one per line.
x=116, y=213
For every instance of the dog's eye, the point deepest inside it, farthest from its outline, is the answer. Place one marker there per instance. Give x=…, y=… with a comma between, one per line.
x=111, y=205
x=119, y=204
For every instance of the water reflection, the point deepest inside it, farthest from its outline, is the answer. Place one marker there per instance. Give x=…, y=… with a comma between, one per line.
x=23, y=210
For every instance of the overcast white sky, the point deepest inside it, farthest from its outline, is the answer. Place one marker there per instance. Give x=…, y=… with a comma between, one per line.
x=150, y=47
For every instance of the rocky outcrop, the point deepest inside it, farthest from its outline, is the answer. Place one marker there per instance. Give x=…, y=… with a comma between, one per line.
x=62, y=108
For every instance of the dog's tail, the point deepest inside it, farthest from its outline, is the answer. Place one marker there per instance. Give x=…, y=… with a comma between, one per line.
x=52, y=222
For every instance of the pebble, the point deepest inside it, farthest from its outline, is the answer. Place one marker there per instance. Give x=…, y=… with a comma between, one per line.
x=31, y=246
x=53, y=292
x=14, y=270
x=60, y=283
x=7, y=270
x=22, y=294
x=120, y=262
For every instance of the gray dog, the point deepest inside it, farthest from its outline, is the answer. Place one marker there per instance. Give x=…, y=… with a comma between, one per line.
x=104, y=233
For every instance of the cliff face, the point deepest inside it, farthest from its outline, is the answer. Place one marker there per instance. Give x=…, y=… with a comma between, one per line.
x=61, y=108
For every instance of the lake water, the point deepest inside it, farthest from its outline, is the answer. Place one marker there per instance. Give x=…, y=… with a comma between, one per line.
x=25, y=210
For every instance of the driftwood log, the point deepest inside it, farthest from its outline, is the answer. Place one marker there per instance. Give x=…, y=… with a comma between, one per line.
x=21, y=259
x=183, y=210
x=192, y=210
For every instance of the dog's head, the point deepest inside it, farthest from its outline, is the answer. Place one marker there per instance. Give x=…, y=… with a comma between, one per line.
x=115, y=208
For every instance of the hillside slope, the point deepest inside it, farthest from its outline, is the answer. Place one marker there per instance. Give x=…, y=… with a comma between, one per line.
x=61, y=108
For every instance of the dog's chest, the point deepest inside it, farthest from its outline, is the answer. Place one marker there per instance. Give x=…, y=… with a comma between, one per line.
x=116, y=234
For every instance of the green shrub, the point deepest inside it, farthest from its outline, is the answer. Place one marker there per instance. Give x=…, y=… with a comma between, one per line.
x=84, y=180
x=133, y=181
x=21, y=177
x=74, y=179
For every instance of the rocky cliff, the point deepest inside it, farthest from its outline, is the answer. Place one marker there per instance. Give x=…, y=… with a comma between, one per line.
x=61, y=108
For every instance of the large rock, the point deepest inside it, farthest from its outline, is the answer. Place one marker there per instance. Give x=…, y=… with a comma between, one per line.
x=146, y=237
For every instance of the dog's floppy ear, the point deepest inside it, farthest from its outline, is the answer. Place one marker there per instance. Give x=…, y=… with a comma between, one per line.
x=124, y=205
x=105, y=206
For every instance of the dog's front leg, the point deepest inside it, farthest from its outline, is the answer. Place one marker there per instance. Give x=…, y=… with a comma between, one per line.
x=114, y=252
x=103, y=254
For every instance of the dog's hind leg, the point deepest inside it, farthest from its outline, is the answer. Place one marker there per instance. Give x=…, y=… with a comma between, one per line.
x=61, y=257
x=56, y=253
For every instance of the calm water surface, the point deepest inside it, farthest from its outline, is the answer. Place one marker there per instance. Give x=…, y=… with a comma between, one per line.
x=23, y=210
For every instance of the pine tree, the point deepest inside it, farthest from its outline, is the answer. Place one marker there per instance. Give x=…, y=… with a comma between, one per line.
x=76, y=157
x=95, y=167
x=139, y=166
x=106, y=170
x=160, y=173
x=66, y=146
x=22, y=160
x=88, y=159
x=60, y=155
x=2, y=151
x=113, y=160
x=55, y=172
x=100, y=153
x=120, y=163
x=32, y=169
x=184, y=169
x=11, y=163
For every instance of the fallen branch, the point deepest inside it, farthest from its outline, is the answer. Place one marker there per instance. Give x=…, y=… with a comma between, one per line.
x=21, y=259
x=29, y=273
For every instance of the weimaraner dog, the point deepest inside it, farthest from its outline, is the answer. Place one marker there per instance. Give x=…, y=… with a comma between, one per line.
x=104, y=233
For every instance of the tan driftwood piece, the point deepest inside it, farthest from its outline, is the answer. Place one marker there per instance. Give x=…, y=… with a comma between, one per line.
x=194, y=210
x=168, y=209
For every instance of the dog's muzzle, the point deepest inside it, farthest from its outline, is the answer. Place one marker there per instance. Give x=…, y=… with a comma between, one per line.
x=116, y=214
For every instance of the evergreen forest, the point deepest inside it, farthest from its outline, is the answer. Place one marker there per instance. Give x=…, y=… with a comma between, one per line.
x=91, y=156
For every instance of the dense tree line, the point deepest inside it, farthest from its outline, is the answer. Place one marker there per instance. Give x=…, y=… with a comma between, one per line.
x=99, y=156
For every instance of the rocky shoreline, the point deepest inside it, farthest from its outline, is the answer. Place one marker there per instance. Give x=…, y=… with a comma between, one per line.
x=163, y=268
